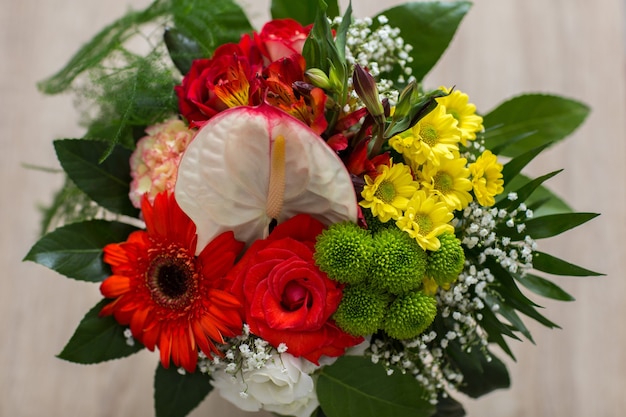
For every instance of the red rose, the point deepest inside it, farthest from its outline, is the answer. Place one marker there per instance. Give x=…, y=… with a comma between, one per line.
x=286, y=298
x=282, y=38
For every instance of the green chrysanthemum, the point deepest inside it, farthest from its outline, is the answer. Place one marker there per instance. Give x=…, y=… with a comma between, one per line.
x=445, y=264
x=361, y=310
x=409, y=315
x=344, y=252
x=398, y=262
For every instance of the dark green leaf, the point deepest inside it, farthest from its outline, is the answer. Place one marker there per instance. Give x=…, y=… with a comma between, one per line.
x=449, y=407
x=515, y=165
x=108, y=40
x=496, y=329
x=209, y=23
x=552, y=265
x=509, y=313
x=175, y=394
x=552, y=225
x=182, y=49
x=549, y=118
x=544, y=287
x=524, y=192
x=75, y=250
x=480, y=376
x=98, y=339
x=428, y=27
x=108, y=182
x=304, y=11
x=354, y=386
x=542, y=201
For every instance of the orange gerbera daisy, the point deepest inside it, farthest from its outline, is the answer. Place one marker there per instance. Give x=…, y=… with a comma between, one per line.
x=170, y=298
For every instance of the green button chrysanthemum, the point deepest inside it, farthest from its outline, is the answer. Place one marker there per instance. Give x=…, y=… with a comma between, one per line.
x=398, y=263
x=344, y=252
x=445, y=264
x=361, y=310
x=374, y=225
x=409, y=315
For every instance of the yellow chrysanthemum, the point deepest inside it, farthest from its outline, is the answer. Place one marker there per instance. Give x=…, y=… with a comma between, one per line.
x=424, y=219
x=486, y=178
x=457, y=105
x=434, y=137
x=389, y=192
x=449, y=181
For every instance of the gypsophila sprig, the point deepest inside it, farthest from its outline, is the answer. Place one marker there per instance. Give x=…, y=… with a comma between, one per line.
x=256, y=204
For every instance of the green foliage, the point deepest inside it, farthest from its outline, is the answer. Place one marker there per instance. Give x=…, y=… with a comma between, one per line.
x=175, y=394
x=481, y=376
x=75, y=250
x=98, y=339
x=304, y=11
x=553, y=265
x=428, y=27
x=544, y=287
x=354, y=386
x=529, y=121
x=551, y=225
x=105, y=182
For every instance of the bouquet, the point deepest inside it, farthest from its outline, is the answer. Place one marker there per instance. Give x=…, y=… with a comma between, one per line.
x=292, y=219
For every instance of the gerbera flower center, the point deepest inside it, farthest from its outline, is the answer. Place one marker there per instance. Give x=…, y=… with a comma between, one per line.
x=386, y=191
x=171, y=280
x=429, y=134
x=443, y=182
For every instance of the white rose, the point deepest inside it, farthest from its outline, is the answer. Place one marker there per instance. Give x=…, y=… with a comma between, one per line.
x=284, y=386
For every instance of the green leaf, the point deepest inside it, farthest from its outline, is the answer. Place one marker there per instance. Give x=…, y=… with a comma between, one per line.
x=107, y=182
x=552, y=265
x=108, y=40
x=524, y=192
x=515, y=165
x=509, y=313
x=98, y=339
x=428, y=27
x=75, y=250
x=539, y=119
x=304, y=11
x=544, y=287
x=449, y=407
x=480, y=376
x=209, y=23
x=182, y=49
x=542, y=201
x=354, y=386
x=552, y=225
x=175, y=394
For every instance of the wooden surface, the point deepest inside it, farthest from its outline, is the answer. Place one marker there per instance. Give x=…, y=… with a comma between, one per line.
x=569, y=47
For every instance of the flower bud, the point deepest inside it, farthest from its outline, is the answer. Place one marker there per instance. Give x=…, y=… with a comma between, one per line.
x=365, y=88
x=318, y=78
x=407, y=98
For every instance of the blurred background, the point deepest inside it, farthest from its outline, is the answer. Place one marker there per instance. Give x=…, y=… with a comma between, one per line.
x=573, y=48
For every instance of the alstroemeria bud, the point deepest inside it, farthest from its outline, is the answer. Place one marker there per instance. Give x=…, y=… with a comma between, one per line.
x=318, y=78
x=365, y=87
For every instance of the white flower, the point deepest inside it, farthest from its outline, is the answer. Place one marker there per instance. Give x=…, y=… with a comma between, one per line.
x=284, y=386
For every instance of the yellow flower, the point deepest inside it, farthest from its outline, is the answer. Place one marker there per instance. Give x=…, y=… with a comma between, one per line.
x=389, y=192
x=449, y=181
x=486, y=178
x=457, y=105
x=424, y=219
x=434, y=137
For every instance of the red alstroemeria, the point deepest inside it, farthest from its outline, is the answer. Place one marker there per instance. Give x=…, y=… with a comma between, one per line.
x=170, y=298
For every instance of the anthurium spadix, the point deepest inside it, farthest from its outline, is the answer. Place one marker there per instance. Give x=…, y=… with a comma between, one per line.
x=250, y=165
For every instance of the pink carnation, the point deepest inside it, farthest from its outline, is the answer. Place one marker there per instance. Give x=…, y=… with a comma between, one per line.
x=154, y=163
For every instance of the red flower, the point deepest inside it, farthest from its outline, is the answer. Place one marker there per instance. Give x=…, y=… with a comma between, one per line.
x=281, y=38
x=287, y=299
x=229, y=79
x=170, y=298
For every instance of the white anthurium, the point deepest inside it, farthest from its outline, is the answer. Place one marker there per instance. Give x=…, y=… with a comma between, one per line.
x=250, y=165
